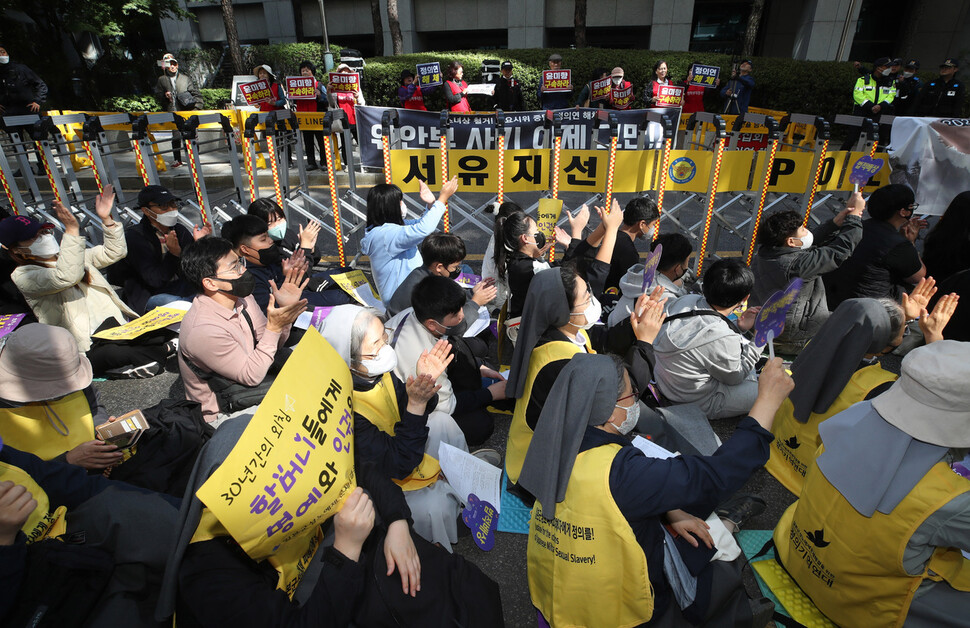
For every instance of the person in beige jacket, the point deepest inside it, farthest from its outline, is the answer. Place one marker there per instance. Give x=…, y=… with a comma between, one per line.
x=64, y=286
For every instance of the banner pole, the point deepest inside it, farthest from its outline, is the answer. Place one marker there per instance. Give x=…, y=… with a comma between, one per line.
x=443, y=146
x=761, y=201
x=818, y=173
x=662, y=183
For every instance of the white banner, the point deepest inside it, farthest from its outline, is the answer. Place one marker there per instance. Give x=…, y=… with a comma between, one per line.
x=931, y=155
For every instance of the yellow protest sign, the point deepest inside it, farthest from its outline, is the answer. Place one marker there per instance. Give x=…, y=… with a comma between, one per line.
x=526, y=170
x=356, y=285
x=583, y=170
x=293, y=466
x=156, y=319
x=548, y=213
x=410, y=166
x=634, y=170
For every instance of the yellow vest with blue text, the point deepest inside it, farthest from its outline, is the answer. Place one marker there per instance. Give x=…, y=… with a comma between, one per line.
x=585, y=565
x=795, y=444
x=520, y=434
x=851, y=566
x=379, y=406
x=866, y=90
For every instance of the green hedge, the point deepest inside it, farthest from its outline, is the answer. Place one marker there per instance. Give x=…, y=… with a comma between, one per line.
x=211, y=98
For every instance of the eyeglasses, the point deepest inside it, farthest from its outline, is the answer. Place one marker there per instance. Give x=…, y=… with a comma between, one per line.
x=913, y=206
x=635, y=394
x=239, y=267
x=383, y=342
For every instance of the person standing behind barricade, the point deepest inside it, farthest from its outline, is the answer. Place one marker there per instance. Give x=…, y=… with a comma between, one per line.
x=738, y=89
x=585, y=98
x=348, y=101
x=620, y=85
x=508, y=90
x=22, y=92
x=457, y=89
x=873, y=96
x=308, y=70
x=409, y=93
x=943, y=97
x=651, y=93
x=694, y=94
x=178, y=92
x=554, y=100
x=265, y=73
x=908, y=87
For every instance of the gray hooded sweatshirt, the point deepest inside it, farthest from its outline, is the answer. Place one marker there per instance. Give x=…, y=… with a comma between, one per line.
x=631, y=287
x=698, y=354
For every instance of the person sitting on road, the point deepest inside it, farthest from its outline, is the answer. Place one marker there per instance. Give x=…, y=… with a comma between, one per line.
x=64, y=287
x=227, y=346
x=396, y=422
x=702, y=355
x=149, y=274
x=583, y=469
x=789, y=250
x=438, y=311
x=289, y=239
x=672, y=270
x=390, y=240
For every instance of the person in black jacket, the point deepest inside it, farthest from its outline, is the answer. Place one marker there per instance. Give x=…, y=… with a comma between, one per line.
x=177, y=91
x=508, y=90
x=22, y=92
x=908, y=87
x=787, y=252
x=289, y=239
x=150, y=274
x=943, y=97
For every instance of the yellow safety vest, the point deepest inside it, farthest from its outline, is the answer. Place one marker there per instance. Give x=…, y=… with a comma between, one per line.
x=867, y=90
x=379, y=406
x=851, y=566
x=42, y=522
x=49, y=428
x=796, y=443
x=585, y=566
x=520, y=434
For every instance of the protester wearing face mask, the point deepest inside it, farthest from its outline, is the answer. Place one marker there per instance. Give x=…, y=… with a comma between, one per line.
x=225, y=340
x=582, y=469
x=271, y=272
x=64, y=286
x=149, y=274
x=618, y=83
x=672, y=271
x=290, y=239
x=840, y=368
x=874, y=95
x=908, y=87
x=397, y=422
x=391, y=239
x=438, y=313
x=789, y=250
x=885, y=263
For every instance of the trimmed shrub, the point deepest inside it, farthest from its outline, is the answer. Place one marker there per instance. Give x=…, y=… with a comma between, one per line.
x=211, y=99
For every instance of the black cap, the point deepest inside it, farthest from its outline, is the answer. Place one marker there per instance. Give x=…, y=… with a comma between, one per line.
x=950, y=63
x=555, y=57
x=157, y=194
x=406, y=73
x=506, y=65
x=19, y=228
x=897, y=61
x=912, y=63
x=881, y=61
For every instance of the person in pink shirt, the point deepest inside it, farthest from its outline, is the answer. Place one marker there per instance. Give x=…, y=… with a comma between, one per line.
x=227, y=347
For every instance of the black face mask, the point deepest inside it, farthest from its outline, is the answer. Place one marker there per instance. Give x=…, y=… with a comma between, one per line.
x=242, y=286
x=271, y=256
x=540, y=239
x=454, y=274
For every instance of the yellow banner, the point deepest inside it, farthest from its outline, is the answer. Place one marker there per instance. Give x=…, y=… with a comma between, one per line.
x=635, y=170
x=156, y=319
x=293, y=466
x=736, y=171
x=356, y=285
x=477, y=171
x=413, y=165
x=548, y=212
x=527, y=170
x=583, y=170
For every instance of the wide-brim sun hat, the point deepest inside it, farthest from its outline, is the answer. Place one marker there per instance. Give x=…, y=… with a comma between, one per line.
x=40, y=362
x=931, y=400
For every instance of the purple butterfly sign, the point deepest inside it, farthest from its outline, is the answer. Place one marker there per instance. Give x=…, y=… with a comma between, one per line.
x=771, y=319
x=650, y=267
x=863, y=170
x=482, y=519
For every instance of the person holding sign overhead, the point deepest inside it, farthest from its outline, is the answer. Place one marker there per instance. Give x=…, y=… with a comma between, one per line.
x=457, y=91
x=319, y=102
x=409, y=93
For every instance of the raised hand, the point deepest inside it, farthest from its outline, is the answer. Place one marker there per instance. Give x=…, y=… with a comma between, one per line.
x=67, y=218
x=578, y=222
x=308, y=235
x=435, y=361
x=484, y=291
x=290, y=291
x=647, y=318
x=298, y=261
x=278, y=318
x=420, y=390
x=933, y=323
x=747, y=319
x=103, y=204
x=200, y=232
x=917, y=300
x=562, y=237
x=425, y=193
x=448, y=190
x=172, y=243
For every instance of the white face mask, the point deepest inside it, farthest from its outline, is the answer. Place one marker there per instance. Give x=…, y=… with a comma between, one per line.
x=45, y=246
x=886, y=72
x=807, y=241
x=4, y=60
x=592, y=313
x=384, y=362
x=630, y=422
x=617, y=80
x=167, y=219
x=908, y=74
x=404, y=211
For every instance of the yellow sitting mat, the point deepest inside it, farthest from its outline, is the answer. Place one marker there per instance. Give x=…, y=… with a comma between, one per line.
x=798, y=605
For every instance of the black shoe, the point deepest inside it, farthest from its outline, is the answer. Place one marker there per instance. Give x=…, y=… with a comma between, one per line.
x=740, y=508
x=143, y=371
x=312, y=166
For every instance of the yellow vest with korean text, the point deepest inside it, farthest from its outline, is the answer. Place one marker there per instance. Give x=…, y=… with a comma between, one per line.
x=851, y=566
x=585, y=565
x=866, y=89
x=50, y=428
x=42, y=522
x=520, y=434
x=379, y=406
x=795, y=444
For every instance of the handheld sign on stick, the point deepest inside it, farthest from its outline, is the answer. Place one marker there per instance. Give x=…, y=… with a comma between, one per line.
x=863, y=170
x=650, y=267
x=771, y=319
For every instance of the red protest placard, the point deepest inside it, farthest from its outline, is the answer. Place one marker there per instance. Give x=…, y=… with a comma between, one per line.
x=557, y=80
x=600, y=90
x=301, y=88
x=341, y=82
x=670, y=96
x=622, y=98
x=256, y=92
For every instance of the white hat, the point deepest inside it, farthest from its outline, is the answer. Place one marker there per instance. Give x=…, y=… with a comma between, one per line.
x=40, y=362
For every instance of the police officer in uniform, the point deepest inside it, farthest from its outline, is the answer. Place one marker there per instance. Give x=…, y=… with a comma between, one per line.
x=943, y=97
x=873, y=95
x=908, y=87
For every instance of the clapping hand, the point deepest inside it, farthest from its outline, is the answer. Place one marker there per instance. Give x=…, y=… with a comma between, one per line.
x=104, y=202
x=308, y=235
x=435, y=361
x=933, y=323
x=425, y=193
x=578, y=222
x=647, y=318
x=290, y=291
x=200, y=232
x=917, y=300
